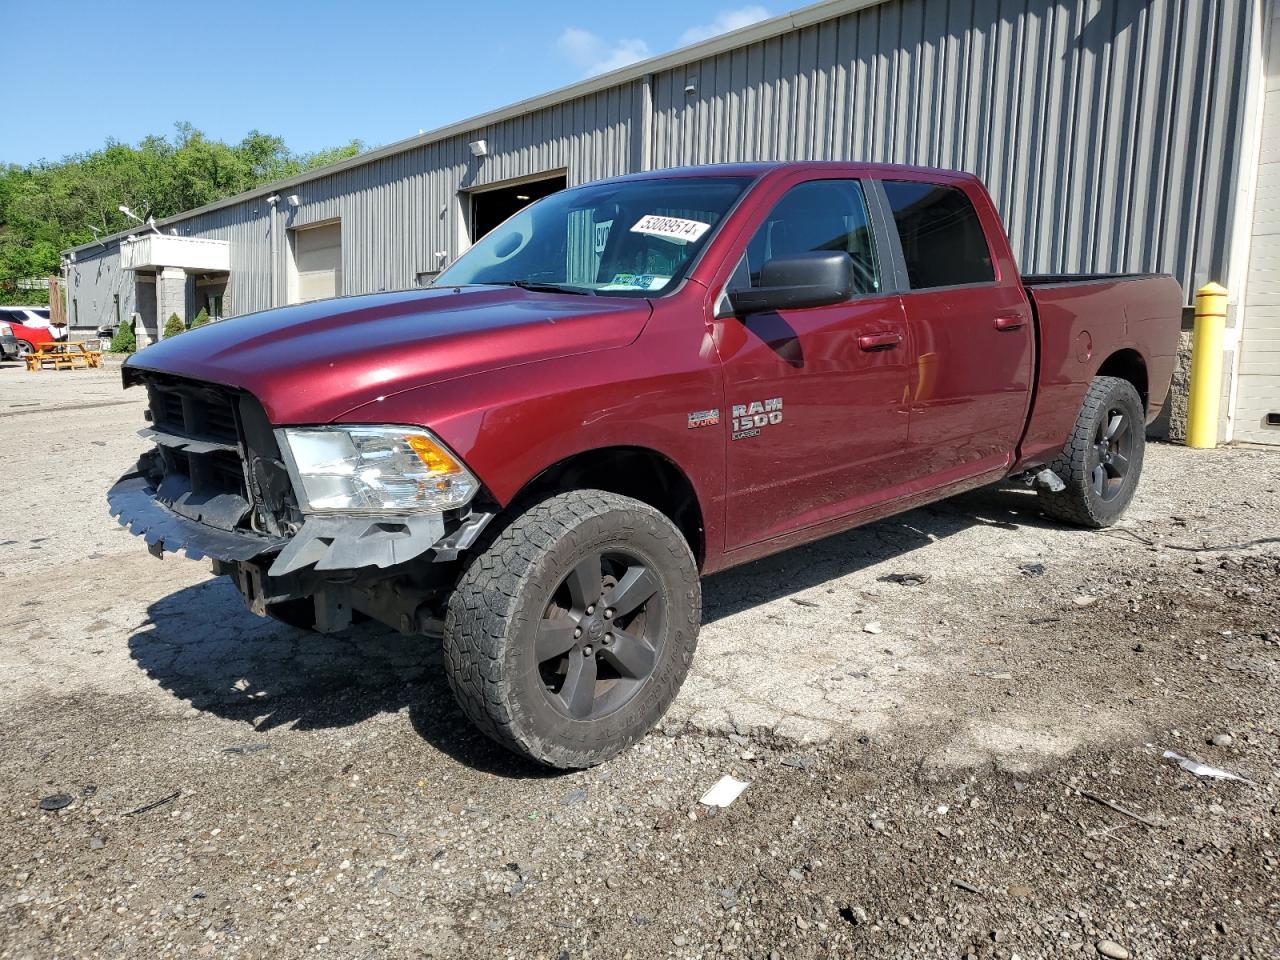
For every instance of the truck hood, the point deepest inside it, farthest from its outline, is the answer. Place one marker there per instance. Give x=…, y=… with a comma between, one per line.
x=313, y=362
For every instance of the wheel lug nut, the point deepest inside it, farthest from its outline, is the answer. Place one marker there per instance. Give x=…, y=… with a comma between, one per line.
x=608, y=614
x=608, y=638
x=577, y=633
x=586, y=651
x=591, y=609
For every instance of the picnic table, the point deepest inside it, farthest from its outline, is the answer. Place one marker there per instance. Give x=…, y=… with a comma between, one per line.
x=63, y=356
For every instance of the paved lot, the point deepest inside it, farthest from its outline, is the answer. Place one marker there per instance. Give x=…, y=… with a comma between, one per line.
x=323, y=794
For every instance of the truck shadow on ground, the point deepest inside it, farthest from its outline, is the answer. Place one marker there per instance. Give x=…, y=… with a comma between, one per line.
x=202, y=646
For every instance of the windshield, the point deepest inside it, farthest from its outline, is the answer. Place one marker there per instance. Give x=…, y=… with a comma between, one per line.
x=631, y=239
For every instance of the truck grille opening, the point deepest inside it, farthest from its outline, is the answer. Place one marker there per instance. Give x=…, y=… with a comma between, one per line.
x=198, y=463
x=215, y=459
x=199, y=414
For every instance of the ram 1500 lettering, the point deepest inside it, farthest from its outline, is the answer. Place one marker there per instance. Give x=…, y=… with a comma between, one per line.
x=626, y=386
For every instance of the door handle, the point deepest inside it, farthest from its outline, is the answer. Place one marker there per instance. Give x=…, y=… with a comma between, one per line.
x=879, y=341
x=1013, y=322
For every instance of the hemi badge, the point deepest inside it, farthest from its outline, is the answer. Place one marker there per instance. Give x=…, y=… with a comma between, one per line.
x=704, y=418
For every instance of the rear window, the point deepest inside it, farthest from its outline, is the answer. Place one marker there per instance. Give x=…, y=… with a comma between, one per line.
x=942, y=240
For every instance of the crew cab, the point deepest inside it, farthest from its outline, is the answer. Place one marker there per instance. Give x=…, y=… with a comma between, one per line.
x=626, y=386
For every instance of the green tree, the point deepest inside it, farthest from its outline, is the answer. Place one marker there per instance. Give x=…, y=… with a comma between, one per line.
x=201, y=319
x=124, y=341
x=174, y=326
x=47, y=207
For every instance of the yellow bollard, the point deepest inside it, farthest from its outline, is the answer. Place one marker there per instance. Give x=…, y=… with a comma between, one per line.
x=1205, y=389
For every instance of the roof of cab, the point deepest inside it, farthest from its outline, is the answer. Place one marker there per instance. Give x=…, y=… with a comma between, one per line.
x=759, y=169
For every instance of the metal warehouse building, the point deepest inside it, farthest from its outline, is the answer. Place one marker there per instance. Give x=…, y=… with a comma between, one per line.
x=1115, y=135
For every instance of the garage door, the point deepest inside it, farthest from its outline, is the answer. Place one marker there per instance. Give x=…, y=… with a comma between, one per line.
x=1257, y=418
x=317, y=253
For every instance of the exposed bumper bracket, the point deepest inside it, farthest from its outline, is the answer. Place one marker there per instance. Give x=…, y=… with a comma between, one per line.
x=346, y=543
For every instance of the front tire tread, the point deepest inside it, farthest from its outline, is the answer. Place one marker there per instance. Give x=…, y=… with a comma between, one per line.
x=481, y=621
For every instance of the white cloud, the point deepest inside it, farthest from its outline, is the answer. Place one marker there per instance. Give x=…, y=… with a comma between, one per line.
x=725, y=21
x=594, y=54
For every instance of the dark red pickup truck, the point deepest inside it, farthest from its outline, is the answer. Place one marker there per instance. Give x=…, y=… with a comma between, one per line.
x=626, y=386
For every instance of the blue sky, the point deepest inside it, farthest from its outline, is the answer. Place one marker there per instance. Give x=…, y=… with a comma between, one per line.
x=317, y=73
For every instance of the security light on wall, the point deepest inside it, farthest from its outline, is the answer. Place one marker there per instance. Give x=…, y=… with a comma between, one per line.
x=479, y=148
x=295, y=201
x=273, y=199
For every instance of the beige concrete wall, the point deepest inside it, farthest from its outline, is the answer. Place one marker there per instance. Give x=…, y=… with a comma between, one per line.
x=1258, y=383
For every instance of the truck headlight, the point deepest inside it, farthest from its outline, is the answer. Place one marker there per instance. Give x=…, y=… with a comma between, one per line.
x=374, y=470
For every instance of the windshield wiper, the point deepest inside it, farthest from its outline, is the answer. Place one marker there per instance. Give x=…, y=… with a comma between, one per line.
x=540, y=286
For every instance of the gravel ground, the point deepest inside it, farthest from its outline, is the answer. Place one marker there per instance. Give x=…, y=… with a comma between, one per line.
x=932, y=763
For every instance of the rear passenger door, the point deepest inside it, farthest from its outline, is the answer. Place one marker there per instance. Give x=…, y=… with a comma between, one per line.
x=971, y=330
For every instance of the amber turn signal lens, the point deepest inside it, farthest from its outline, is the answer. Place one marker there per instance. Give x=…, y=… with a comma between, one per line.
x=431, y=455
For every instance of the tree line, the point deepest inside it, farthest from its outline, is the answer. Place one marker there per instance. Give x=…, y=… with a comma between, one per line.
x=47, y=207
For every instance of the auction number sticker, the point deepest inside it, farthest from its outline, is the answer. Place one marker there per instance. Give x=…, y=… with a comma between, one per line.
x=636, y=281
x=671, y=228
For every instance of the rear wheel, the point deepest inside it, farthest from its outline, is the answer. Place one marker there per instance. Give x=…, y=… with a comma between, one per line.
x=25, y=349
x=568, y=637
x=1102, y=462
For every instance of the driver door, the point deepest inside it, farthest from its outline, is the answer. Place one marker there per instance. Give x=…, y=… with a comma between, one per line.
x=817, y=397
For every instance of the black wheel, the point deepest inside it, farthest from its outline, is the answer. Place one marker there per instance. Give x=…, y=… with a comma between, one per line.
x=567, y=638
x=1102, y=462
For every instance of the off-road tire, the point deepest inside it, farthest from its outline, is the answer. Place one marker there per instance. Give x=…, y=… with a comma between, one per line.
x=494, y=611
x=1079, y=504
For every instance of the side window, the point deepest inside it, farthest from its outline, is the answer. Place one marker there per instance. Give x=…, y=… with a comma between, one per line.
x=942, y=240
x=814, y=216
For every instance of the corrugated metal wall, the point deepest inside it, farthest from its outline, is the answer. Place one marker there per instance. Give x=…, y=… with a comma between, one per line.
x=397, y=212
x=93, y=281
x=1107, y=130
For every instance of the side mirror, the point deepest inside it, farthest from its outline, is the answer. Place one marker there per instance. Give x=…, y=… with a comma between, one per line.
x=814, y=279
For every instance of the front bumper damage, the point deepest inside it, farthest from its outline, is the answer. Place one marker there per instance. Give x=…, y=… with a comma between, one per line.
x=381, y=566
x=133, y=502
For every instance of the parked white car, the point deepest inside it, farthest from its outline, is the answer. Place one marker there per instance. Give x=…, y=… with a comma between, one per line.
x=37, y=317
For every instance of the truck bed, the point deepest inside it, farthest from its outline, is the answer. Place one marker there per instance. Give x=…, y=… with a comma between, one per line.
x=1127, y=322
x=1053, y=279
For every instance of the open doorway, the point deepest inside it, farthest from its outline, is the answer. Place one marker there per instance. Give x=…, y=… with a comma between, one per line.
x=490, y=207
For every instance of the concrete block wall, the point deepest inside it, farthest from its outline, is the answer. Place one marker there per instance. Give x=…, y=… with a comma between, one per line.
x=171, y=296
x=1176, y=406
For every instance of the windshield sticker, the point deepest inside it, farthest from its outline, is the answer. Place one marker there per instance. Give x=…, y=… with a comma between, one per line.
x=671, y=228
x=636, y=281
x=602, y=235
